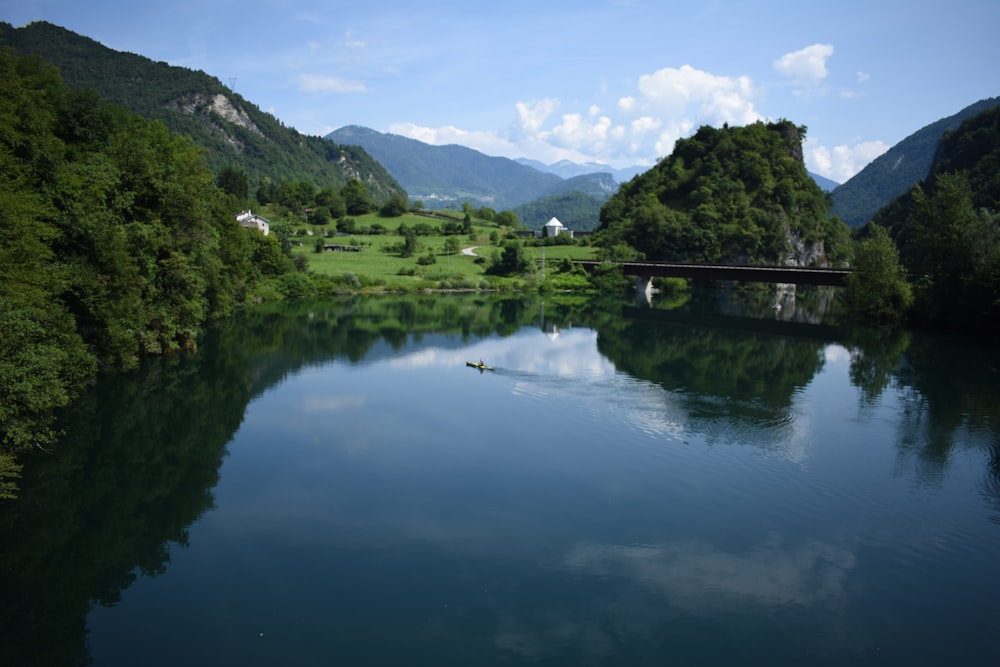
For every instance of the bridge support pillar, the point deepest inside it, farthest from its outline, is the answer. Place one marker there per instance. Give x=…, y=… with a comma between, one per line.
x=644, y=289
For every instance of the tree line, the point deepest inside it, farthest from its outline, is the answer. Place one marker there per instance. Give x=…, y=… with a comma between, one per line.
x=115, y=243
x=931, y=258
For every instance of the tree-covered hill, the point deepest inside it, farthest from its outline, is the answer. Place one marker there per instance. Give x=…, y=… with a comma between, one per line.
x=947, y=229
x=895, y=172
x=442, y=176
x=233, y=131
x=738, y=195
x=115, y=243
x=577, y=210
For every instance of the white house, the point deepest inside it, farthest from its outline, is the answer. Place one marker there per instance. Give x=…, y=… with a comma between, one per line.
x=554, y=228
x=253, y=221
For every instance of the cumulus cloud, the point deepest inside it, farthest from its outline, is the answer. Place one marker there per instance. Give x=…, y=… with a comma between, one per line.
x=666, y=105
x=842, y=162
x=806, y=65
x=532, y=115
x=320, y=83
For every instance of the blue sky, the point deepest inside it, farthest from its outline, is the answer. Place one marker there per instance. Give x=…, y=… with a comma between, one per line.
x=611, y=81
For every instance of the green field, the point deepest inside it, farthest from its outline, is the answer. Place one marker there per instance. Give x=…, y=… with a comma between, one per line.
x=379, y=265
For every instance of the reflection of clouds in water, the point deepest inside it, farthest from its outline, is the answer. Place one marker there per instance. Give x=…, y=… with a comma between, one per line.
x=530, y=351
x=695, y=578
x=837, y=354
x=325, y=404
x=699, y=577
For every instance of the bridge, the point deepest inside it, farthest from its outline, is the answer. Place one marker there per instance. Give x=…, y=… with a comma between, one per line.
x=795, y=275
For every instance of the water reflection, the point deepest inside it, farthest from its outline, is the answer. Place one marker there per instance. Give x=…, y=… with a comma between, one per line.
x=702, y=578
x=142, y=459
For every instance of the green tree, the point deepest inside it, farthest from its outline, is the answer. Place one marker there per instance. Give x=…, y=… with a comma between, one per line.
x=320, y=216
x=331, y=199
x=357, y=201
x=234, y=181
x=955, y=253
x=409, y=243
x=877, y=290
x=506, y=219
x=512, y=261
x=395, y=207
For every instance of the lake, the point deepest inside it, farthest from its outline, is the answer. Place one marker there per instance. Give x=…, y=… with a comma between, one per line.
x=707, y=481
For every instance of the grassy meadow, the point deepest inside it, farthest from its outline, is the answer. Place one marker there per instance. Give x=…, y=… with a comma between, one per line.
x=379, y=265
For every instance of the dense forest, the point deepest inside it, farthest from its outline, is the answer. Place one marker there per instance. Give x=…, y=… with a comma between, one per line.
x=233, y=132
x=735, y=195
x=947, y=231
x=115, y=243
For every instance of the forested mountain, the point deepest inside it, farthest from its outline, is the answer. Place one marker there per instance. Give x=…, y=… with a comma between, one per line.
x=234, y=132
x=578, y=211
x=115, y=243
x=443, y=176
x=736, y=195
x=895, y=172
x=947, y=229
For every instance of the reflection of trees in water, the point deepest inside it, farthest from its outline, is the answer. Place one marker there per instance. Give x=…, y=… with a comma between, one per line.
x=734, y=366
x=951, y=398
x=138, y=467
x=143, y=452
x=145, y=448
x=949, y=393
x=737, y=385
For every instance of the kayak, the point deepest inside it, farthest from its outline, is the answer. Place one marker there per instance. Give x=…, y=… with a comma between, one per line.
x=482, y=367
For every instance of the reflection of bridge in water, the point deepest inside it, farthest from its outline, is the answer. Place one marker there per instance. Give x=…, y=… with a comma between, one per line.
x=794, y=275
x=820, y=332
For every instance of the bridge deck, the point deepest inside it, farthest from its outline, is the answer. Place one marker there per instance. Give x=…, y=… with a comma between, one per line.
x=754, y=274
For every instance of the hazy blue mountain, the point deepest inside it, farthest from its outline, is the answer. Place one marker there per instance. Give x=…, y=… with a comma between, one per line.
x=441, y=176
x=894, y=172
x=567, y=169
x=232, y=130
x=824, y=183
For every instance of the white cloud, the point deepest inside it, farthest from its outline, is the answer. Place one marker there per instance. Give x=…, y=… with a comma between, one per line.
x=319, y=83
x=489, y=143
x=532, y=115
x=863, y=77
x=666, y=105
x=807, y=65
x=842, y=162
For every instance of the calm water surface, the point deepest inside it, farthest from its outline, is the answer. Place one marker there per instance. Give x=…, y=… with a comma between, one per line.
x=329, y=484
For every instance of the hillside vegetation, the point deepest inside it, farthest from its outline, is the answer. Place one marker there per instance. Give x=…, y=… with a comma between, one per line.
x=735, y=195
x=233, y=132
x=115, y=243
x=947, y=230
x=898, y=169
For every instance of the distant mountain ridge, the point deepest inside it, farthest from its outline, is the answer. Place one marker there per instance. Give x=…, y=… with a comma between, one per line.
x=233, y=131
x=450, y=174
x=568, y=169
x=894, y=172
